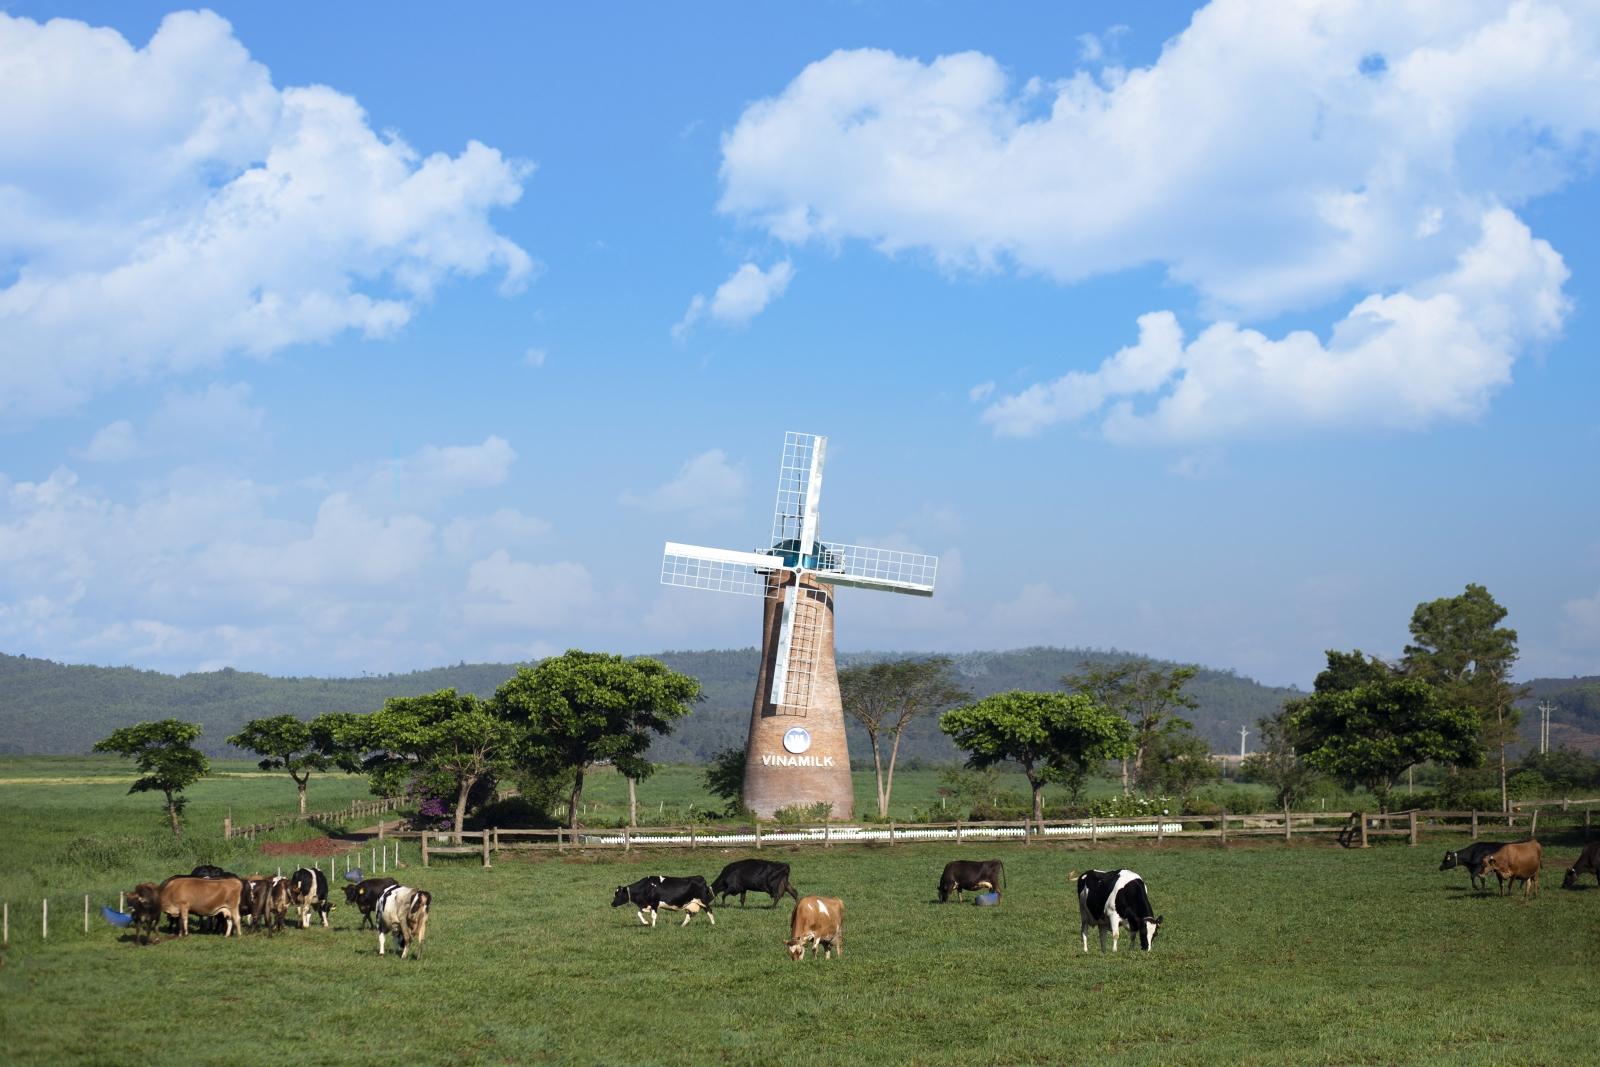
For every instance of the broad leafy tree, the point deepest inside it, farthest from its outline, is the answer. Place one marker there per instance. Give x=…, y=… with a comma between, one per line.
x=724, y=776
x=1371, y=733
x=1051, y=736
x=1142, y=691
x=1177, y=762
x=287, y=743
x=448, y=741
x=885, y=697
x=584, y=708
x=165, y=756
x=1459, y=647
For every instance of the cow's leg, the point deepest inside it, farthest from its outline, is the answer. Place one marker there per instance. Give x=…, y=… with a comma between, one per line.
x=1083, y=931
x=324, y=908
x=654, y=912
x=742, y=892
x=1116, y=931
x=1102, y=937
x=183, y=920
x=687, y=915
x=711, y=915
x=380, y=940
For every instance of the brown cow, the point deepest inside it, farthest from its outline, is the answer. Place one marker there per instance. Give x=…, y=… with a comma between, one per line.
x=144, y=904
x=818, y=922
x=275, y=897
x=183, y=895
x=1520, y=859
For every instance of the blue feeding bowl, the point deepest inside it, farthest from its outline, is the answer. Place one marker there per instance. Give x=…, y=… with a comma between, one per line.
x=115, y=917
x=353, y=874
x=987, y=900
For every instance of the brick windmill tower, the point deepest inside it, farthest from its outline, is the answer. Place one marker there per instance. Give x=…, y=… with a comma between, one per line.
x=796, y=753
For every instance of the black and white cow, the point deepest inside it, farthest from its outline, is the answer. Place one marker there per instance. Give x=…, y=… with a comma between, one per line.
x=1475, y=858
x=1111, y=899
x=403, y=911
x=651, y=894
x=309, y=888
x=754, y=876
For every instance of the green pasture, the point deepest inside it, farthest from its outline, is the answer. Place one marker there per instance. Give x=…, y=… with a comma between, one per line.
x=1270, y=954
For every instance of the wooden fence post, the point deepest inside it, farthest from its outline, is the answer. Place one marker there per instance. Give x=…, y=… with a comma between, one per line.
x=1223, y=823
x=561, y=839
x=1288, y=824
x=758, y=835
x=44, y=920
x=86, y=913
x=1411, y=825
x=1363, y=817
x=1533, y=825
x=627, y=839
x=1474, y=824
x=486, y=848
x=958, y=831
x=827, y=833
x=891, y=831
x=424, y=848
x=1094, y=830
x=1586, y=824
x=227, y=825
x=1161, y=828
x=691, y=837
x=5, y=923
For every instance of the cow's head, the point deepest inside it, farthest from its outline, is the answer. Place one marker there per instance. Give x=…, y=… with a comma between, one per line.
x=1449, y=862
x=1147, y=932
x=1570, y=879
x=621, y=897
x=796, y=947
x=351, y=893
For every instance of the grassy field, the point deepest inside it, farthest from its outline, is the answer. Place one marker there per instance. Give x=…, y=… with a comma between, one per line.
x=1270, y=954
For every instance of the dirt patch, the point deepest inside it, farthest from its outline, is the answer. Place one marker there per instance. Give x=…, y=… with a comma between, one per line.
x=317, y=846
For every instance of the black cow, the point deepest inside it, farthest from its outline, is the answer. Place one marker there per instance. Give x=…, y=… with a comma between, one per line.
x=1588, y=863
x=309, y=891
x=207, y=870
x=364, y=895
x=758, y=876
x=675, y=894
x=1110, y=899
x=973, y=876
x=1474, y=858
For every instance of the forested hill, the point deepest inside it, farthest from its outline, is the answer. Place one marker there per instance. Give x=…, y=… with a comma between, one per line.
x=48, y=707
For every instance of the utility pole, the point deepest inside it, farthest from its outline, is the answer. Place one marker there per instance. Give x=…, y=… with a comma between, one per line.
x=1243, y=730
x=1545, y=708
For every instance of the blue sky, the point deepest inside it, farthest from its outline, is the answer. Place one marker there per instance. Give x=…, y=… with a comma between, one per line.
x=366, y=339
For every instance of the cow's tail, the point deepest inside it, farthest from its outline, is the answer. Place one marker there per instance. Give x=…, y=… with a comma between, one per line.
x=1003, y=877
x=1072, y=878
x=420, y=901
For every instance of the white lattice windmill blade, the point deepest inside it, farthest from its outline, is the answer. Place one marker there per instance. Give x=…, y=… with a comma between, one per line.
x=887, y=569
x=724, y=570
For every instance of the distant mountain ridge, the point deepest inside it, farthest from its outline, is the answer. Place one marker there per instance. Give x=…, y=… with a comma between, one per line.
x=53, y=708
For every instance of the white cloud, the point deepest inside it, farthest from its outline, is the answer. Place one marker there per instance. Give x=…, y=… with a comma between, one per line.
x=534, y=357
x=435, y=472
x=114, y=443
x=745, y=294
x=707, y=485
x=1273, y=157
x=508, y=592
x=1436, y=350
x=168, y=206
x=505, y=528
x=188, y=421
x=980, y=392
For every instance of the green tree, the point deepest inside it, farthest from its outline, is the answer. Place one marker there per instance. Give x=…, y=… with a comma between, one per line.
x=1459, y=647
x=1052, y=736
x=724, y=776
x=1144, y=693
x=1177, y=762
x=450, y=741
x=583, y=708
x=885, y=697
x=1370, y=734
x=165, y=756
x=285, y=743
x=1277, y=761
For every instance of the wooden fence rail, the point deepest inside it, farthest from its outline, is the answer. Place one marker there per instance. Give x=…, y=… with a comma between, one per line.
x=358, y=809
x=1353, y=829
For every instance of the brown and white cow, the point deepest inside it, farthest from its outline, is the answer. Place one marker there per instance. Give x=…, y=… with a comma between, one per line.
x=1518, y=860
x=185, y=895
x=144, y=904
x=403, y=911
x=819, y=923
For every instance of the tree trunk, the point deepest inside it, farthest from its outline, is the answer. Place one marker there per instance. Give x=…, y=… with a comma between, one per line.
x=888, y=783
x=1038, y=801
x=572, y=801
x=461, y=803
x=633, y=802
x=877, y=770
x=1124, y=775
x=172, y=816
x=1138, y=766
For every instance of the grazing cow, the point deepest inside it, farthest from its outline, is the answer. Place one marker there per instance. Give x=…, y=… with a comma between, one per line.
x=185, y=895
x=274, y=897
x=403, y=911
x=974, y=876
x=310, y=892
x=655, y=892
x=759, y=876
x=1474, y=858
x=1110, y=899
x=364, y=896
x=1588, y=863
x=819, y=923
x=207, y=870
x=1518, y=860
x=144, y=904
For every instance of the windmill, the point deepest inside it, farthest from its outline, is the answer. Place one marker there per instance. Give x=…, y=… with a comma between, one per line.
x=796, y=753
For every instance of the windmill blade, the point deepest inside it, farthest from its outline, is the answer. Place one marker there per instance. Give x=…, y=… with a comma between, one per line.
x=885, y=569
x=780, y=663
x=794, y=520
x=720, y=569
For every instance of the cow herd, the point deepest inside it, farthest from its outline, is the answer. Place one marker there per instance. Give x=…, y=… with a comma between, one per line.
x=263, y=902
x=1107, y=901
x=1516, y=861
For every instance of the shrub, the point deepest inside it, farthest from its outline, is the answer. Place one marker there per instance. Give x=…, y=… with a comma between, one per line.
x=803, y=814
